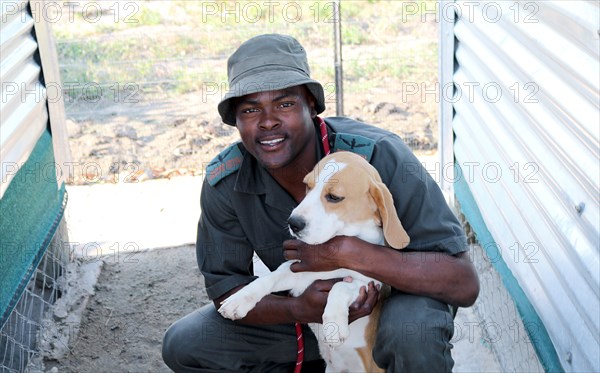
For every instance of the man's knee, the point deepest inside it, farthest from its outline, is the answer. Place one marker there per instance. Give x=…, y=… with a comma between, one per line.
x=417, y=321
x=169, y=351
x=205, y=341
x=187, y=342
x=174, y=351
x=414, y=335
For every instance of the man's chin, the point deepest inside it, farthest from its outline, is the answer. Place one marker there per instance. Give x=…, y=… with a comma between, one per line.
x=273, y=165
x=273, y=160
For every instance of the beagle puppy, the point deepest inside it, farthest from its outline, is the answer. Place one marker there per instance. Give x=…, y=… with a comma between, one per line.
x=345, y=196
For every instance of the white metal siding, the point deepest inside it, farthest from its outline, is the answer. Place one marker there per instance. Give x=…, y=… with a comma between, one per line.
x=23, y=111
x=530, y=153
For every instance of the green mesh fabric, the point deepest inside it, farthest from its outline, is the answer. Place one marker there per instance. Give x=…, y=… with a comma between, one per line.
x=30, y=210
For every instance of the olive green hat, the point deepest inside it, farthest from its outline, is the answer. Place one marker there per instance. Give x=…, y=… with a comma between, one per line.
x=267, y=63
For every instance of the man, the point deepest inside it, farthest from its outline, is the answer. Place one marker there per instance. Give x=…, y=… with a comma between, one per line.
x=247, y=195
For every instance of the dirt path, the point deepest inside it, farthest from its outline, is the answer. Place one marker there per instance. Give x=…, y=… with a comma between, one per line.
x=135, y=301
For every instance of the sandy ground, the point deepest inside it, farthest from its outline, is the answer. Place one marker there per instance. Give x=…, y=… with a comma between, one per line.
x=135, y=301
x=145, y=283
x=125, y=143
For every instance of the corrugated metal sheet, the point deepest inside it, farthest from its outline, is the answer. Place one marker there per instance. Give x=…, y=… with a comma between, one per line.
x=527, y=123
x=23, y=112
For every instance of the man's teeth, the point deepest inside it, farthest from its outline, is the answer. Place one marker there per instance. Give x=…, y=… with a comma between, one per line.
x=271, y=142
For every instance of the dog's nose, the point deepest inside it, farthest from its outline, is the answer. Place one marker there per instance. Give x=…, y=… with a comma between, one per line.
x=296, y=224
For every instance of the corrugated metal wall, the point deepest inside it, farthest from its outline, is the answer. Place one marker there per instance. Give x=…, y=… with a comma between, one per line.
x=526, y=125
x=23, y=111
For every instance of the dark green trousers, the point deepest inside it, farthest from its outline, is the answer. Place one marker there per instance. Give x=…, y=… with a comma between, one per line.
x=413, y=336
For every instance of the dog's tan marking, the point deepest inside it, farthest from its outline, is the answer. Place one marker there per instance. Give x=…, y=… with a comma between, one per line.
x=365, y=195
x=394, y=233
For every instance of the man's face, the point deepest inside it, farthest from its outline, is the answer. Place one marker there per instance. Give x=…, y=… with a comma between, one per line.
x=276, y=126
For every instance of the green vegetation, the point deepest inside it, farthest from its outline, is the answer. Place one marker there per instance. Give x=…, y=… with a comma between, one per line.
x=175, y=46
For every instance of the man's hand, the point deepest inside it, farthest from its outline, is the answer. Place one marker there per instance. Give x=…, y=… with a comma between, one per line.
x=364, y=304
x=315, y=258
x=310, y=305
x=327, y=256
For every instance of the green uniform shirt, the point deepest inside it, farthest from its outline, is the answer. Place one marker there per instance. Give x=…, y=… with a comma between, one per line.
x=245, y=210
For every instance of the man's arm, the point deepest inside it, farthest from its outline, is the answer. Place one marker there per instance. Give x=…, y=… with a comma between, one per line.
x=306, y=308
x=449, y=278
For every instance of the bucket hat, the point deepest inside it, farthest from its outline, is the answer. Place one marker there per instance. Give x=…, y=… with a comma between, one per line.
x=267, y=63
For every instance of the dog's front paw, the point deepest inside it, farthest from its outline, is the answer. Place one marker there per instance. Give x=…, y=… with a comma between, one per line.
x=335, y=330
x=237, y=305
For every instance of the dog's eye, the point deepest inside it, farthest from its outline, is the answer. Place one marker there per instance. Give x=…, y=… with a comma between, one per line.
x=333, y=198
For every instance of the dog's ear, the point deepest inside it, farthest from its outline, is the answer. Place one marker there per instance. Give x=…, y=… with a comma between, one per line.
x=394, y=233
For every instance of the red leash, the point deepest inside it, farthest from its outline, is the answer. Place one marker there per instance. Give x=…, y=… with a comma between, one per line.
x=299, y=335
x=324, y=137
x=300, y=340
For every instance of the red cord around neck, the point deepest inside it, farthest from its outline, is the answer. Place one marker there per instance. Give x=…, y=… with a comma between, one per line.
x=299, y=335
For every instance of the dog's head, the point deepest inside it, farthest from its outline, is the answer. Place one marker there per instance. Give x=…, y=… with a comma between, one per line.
x=345, y=196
